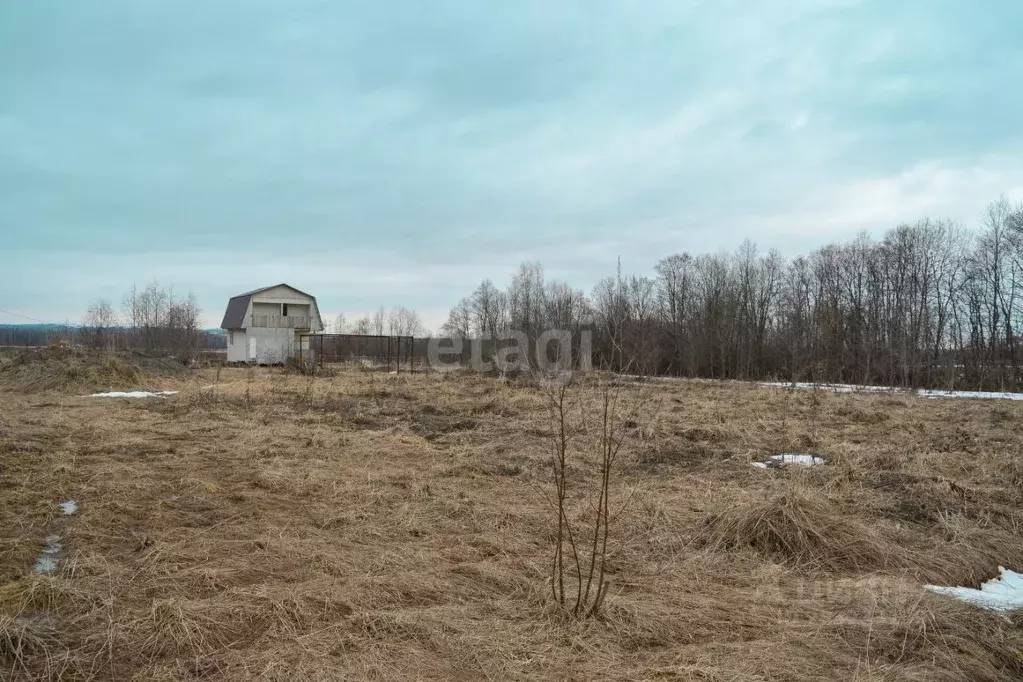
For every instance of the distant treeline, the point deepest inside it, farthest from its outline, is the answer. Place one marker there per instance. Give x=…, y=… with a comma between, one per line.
x=120, y=338
x=930, y=304
x=152, y=320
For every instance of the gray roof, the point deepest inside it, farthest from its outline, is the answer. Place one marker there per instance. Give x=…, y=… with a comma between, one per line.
x=234, y=316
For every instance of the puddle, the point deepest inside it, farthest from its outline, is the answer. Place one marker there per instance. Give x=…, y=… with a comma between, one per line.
x=133, y=394
x=1004, y=593
x=804, y=458
x=53, y=550
x=50, y=556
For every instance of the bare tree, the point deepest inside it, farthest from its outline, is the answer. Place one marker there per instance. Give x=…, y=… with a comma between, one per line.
x=674, y=282
x=98, y=324
x=460, y=321
x=488, y=307
x=403, y=321
x=363, y=326
x=159, y=322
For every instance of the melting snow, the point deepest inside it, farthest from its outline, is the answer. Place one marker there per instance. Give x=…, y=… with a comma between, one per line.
x=133, y=394
x=927, y=393
x=806, y=459
x=833, y=388
x=70, y=508
x=1003, y=593
x=923, y=392
x=50, y=556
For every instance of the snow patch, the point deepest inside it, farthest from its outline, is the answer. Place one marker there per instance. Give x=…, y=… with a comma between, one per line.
x=831, y=388
x=982, y=395
x=70, y=508
x=804, y=458
x=923, y=392
x=50, y=556
x=1003, y=593
x=133, y=394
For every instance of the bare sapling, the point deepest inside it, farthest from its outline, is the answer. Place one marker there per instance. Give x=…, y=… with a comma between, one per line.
x=579, y=563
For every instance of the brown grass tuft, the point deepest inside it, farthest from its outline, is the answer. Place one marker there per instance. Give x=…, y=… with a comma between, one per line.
x=804, y=530
x=28, y=646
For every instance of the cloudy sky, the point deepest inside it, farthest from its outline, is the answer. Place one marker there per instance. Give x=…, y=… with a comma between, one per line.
x=377, y=153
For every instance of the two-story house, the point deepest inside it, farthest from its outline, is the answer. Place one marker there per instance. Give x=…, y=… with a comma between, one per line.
x=265, y=326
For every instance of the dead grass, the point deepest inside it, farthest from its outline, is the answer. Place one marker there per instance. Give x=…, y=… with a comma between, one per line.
x=67, y=368
x=808, y=532
x=261, y=525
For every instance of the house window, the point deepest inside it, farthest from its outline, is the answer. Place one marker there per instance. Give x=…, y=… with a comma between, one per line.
x=230, y=338
x=284, y=309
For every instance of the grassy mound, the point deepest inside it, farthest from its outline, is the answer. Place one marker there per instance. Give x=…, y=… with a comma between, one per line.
x=69, y=368
x=804, y=531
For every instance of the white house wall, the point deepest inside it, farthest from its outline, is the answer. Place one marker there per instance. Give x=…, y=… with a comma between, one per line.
x=269, y=346
x=236, y=346
x=298, y=310
x=261, y=308
x=281, y=294
x=314, y=314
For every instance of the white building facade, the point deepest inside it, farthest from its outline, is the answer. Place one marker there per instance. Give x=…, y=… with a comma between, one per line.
x=265, y=326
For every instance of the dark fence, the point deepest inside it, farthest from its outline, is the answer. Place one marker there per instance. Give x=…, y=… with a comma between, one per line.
x=407, y=353
x=376, y=352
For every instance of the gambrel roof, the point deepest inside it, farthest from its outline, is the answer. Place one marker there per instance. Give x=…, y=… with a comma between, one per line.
x=234, y=316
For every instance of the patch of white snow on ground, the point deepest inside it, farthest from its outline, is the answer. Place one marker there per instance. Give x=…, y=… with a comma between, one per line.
x=70, y=508
x=832, y=388
x=805, y=459
x=1003, y=593
x=50, y=556
x=923, y=392
x=988, y=395
x=133, y=394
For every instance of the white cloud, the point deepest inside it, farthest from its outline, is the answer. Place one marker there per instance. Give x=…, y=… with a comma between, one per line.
x=936, y=189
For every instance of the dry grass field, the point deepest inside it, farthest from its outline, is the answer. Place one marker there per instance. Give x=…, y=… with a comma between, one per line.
x=266, y=526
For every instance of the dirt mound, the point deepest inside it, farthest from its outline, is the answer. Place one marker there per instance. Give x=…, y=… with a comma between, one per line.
x=69, y=368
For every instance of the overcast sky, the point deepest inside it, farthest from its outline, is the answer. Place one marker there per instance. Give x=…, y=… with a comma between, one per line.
x=377, y=153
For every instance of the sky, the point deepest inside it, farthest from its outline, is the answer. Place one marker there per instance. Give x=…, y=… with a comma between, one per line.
x=386, y=153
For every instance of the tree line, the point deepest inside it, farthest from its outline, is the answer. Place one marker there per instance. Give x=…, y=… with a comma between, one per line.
x=398, y=321
x=153, y=319
x=928, y=304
